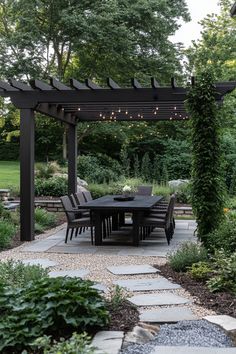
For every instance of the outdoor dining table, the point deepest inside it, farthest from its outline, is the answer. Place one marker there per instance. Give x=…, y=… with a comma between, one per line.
x=107, y=205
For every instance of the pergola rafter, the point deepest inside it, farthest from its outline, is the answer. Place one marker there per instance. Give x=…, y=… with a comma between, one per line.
x=87, y=102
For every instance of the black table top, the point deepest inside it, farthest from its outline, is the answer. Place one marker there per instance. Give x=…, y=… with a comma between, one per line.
x=107, y=203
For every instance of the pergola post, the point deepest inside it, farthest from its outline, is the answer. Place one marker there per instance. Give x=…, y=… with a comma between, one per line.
x=27, y=133
x=72, y=158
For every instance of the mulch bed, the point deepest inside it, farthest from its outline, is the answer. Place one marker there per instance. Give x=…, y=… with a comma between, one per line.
x=123, y=317
x=223, y=303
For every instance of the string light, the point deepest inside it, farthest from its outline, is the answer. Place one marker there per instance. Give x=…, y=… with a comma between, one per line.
x=119, y=110
x=126, y=112
x=175, y=108
x=100, y=115
x=78, y=109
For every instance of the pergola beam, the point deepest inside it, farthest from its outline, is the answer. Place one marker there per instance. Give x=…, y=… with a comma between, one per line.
x=56, y=112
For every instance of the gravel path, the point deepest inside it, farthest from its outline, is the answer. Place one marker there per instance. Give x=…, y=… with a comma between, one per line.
x=185, y=333
x=97, y=264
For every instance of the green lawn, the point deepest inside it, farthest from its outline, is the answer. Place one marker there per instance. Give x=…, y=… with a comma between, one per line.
x=9, y=174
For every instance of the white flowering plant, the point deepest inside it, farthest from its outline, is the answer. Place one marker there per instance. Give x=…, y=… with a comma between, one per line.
x=127, y=189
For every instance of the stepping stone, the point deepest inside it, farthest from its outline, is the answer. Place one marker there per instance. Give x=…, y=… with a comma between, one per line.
x=167, y=315
x=78, y=273
x=146, y=284
x=192, y=350
x=43, y=262
x=132, y=269
x=100, y=287
x=108, y=342
x=227, y=323
x=158, y=299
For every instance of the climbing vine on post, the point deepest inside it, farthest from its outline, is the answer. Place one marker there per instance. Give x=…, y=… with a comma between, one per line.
x=207, y=174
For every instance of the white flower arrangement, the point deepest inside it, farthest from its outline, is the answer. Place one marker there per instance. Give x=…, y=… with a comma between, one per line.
x=127, y=189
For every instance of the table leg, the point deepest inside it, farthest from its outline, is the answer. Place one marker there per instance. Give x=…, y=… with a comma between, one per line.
x=121, y=219
x=98, y=228
x=135, y=231
x=115, y=221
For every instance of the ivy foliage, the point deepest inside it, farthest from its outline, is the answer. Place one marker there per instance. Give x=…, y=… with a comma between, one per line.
x=207, y=170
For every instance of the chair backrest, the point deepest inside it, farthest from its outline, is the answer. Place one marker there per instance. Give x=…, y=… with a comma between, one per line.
x=79, y=198
x=170, y=209
x=87, y=196
x=67, y=206
x=144, y=190
x=73, y=200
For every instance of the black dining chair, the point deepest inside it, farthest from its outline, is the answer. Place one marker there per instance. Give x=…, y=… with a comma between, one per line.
x=161, y=221
x=73, y=222
x=144, y=190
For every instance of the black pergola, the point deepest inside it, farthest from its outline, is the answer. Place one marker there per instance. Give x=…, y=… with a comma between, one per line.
x=86, y=102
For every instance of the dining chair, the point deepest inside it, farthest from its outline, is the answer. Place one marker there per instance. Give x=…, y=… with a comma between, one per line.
x=87, y=196
x=73, y=222
x=165, y=221
x=144, y=190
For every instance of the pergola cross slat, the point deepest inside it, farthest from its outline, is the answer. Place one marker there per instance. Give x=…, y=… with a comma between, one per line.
x=88, y=102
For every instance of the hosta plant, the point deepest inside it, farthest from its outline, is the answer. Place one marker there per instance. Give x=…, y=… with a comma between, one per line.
x=51, y=306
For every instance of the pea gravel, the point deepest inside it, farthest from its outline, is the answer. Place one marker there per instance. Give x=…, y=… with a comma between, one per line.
x=198, y=333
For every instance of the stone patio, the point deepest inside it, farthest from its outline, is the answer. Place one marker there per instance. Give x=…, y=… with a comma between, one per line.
x=154, y=245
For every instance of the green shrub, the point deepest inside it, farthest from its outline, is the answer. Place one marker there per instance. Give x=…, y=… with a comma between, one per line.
x=7, y=231
x=17, y=274
x=188, y=254
x=225, y=273
x=200, y=270
x=98, y=169
x=77, y=344
x=54, y=187
x=51, y=306
x=4, y=214
x=44, y=218
x=183, y=194
x=46, y=170
x=223, y=237
x=117, y=297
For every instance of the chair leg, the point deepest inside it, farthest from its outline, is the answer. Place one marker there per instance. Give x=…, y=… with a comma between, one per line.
x=71, y=235
x=80, y=230
x=76, y=232
x=67, y=232
x=91, y=229
x=167, y=235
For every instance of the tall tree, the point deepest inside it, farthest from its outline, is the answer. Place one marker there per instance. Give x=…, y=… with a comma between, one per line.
x=63, y=38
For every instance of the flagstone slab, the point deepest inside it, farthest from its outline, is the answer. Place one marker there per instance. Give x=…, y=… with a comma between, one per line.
x=132, y=269
x=192, y=350
x=108, y=342
x=100, y=287
x=43, y=262
x=39, y=246
x=146, y=284
x=78, y=273
x=158, y=299
x=167, y=315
